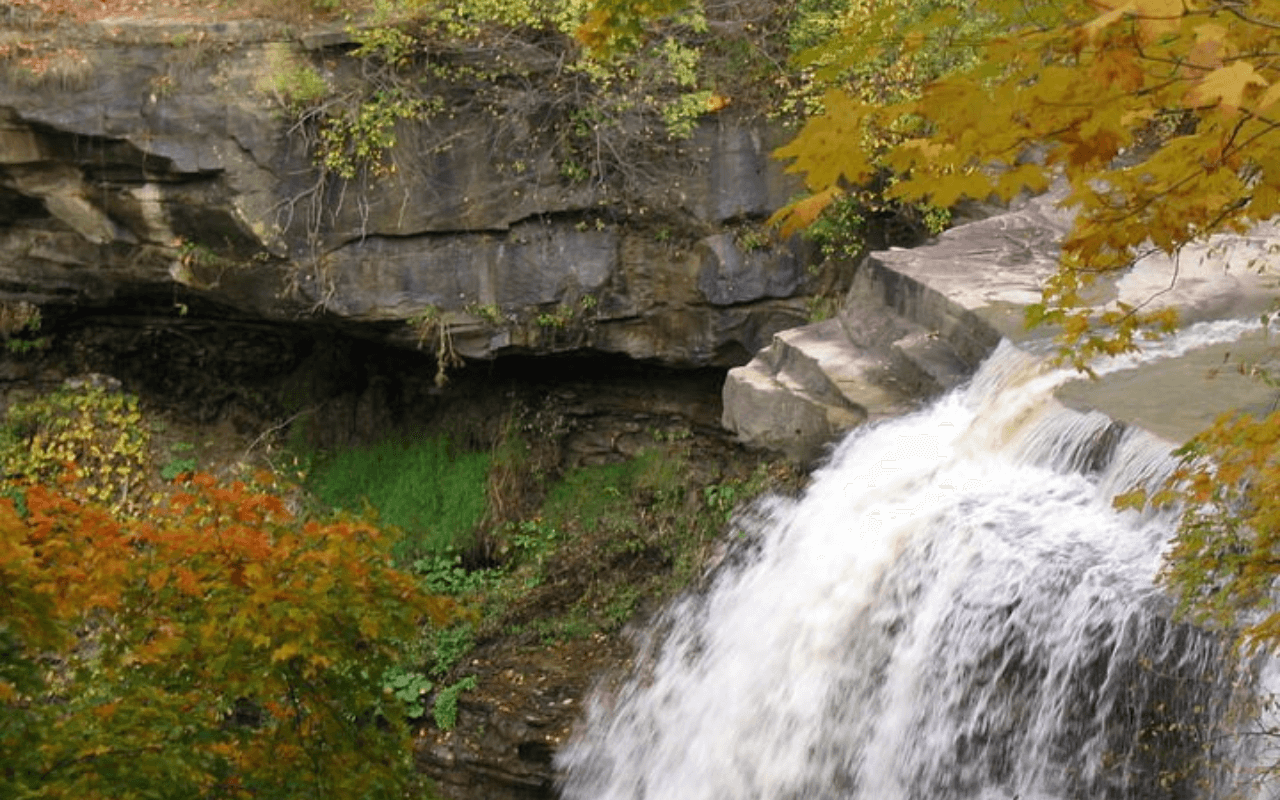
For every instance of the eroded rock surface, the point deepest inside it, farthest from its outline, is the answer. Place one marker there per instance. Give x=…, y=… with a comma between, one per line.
x=162, y=160
x=941, y=308
x=509, y=728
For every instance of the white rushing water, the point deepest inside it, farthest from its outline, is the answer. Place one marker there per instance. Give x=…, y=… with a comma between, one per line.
x=952, y=610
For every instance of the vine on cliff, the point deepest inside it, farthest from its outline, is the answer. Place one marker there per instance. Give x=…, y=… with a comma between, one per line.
x=422, y=64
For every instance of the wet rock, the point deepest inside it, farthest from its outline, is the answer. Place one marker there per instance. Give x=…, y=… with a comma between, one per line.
x=511, y=725
x=917, y=321
x=817, y=381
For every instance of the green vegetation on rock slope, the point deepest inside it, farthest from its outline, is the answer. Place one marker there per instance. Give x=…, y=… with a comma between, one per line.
x=305, y=625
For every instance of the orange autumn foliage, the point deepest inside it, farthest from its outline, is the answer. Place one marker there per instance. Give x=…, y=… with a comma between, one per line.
x=219, y=648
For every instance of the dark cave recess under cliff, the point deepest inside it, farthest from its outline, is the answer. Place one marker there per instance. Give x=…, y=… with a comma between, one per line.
x=209, y=366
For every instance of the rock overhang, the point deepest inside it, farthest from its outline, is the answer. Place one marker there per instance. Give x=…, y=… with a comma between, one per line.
x=170, y=161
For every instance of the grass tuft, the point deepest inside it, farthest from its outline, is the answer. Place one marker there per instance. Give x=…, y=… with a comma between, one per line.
x=434, y=497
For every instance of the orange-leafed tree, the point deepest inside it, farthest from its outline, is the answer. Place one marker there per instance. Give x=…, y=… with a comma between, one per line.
x=219, y=648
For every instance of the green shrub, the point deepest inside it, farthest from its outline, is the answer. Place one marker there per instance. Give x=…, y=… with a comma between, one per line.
x=447, y=646
x=445, y=710
x=291, y=79
x=443, y=573
x=87, y=437
x=840, y=232
x=433, y=497
x=408, y=687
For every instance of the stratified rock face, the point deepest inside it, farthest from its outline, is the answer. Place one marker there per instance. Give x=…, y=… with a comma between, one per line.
x=162, y=161
x=817, y=381
x=934, y=312
x=915, y=323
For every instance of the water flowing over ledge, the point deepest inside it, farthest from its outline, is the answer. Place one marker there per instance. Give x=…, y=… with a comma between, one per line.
x=917, y=322
x=952, y=610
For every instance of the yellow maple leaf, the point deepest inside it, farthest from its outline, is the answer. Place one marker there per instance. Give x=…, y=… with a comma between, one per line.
x=284, y=652
x=1094, y=28
x=1264, y=202
x=1028, y=176
x=1156, y=18
x=1269, y=97
x=799, y=215
x=1118, y=68
x=1226, y=86
x=945, y=190
x=822, y=149
x=1211, y=45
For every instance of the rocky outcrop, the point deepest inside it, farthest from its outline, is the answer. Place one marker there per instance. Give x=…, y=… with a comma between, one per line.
x=817, y=381
x=914, y=324
x=938, y=310
x=510, y=727
x=161, y=162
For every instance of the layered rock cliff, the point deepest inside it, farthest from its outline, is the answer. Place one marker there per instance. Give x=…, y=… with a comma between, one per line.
x=918, y=321
x=161, y=162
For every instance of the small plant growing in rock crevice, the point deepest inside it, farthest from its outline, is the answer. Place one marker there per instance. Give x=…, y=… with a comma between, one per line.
x=432, y=329
x=751, y=238
x=560, y=317
x=292, y=80
x=569, y=313
x=445, y=709
x=821, y=307
x=489, y=313
x=19, y=324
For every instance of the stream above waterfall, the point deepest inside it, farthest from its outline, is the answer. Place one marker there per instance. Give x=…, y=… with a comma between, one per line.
x=952, y=610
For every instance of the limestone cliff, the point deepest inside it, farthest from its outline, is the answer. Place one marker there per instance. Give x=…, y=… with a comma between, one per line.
x=159, y=161
x=918, y=321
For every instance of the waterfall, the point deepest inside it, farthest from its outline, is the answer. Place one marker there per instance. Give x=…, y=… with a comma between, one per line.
x=952, y=610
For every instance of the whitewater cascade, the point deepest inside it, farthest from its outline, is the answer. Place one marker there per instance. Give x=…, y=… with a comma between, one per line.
x=952, y=610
